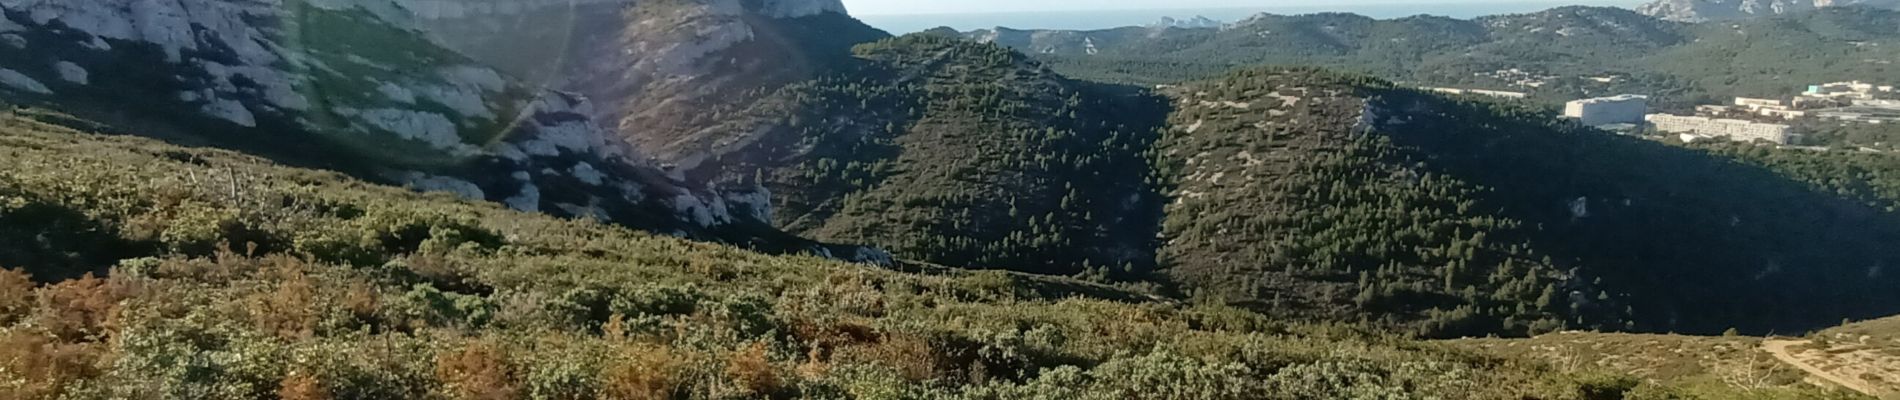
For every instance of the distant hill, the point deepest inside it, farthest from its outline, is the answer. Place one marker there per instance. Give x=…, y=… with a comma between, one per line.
x=1341, y=197
x=1558, y=54
x=1725, y=10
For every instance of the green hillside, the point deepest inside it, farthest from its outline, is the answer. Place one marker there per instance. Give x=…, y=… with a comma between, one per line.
x=1308, y=193
x=962, y=154
x=233, y=277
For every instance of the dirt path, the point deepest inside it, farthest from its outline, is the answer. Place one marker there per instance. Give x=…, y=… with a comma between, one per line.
x=1779, y=348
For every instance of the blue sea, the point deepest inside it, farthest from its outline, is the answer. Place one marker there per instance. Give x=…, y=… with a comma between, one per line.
x=1085, y=20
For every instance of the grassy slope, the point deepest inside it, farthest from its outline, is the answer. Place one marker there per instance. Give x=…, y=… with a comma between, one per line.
x=1696, y=366
x=348, y=290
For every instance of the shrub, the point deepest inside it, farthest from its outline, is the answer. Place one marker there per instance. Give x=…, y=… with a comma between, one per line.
x=299, y=385
x=1165, y=376
x=16, y=295
x=1355, y=379
x=643, y=372
x=477, y=371
x=425, y=306
x=658, y=300
x=199, y=355
x=81, y=308
x=289, y=310
x=35, y=365
x=752, y=371
x=1605, y=387
x=911, y=357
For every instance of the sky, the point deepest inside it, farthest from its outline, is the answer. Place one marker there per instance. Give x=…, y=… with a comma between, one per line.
x=900, y=7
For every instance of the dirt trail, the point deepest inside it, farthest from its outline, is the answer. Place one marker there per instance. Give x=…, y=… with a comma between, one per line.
x=1779, y=348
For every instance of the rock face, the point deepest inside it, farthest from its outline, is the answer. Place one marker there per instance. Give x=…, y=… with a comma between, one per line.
x=1720, y=10
x=664, y=73
x=354, y=83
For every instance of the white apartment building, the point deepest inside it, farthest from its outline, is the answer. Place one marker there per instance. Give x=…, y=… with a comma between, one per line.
x=1492, y=93
x=1732, y=129
x=1624, y=109
x=1757, y=103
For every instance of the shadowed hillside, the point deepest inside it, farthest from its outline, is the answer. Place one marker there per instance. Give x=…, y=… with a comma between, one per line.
x=1368, y=201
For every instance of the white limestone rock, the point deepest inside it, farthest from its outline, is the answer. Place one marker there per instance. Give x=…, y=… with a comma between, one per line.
x=755, y=202
x=527, y=200
x=484, y=78
x=873, y=256
x=232, y=111
x=19, y=81
x=466, y=101
x=431, y=183
x=511, y=152
x=801, y=8
x=699, y=211
x=587, y=174
x=72, y=73
x=397, y=93
x=17, y=42
x=96, y=44
x=632, y=192
x=7, y=25
x=433, y=129
x=591, y=210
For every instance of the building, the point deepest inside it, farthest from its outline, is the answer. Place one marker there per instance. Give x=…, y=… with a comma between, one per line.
x=1624, y=109
x=1887, y=104
x=1481, y=92
x=1756, y=104
x=1732, y=129
x=1783, y=113
x=1850, y=90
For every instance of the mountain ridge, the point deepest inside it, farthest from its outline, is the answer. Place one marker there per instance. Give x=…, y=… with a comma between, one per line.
x=1552, y=56
x=369, y=96
x=1728, y=10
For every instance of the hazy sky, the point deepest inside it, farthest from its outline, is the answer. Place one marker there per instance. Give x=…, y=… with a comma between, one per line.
x=878, y=7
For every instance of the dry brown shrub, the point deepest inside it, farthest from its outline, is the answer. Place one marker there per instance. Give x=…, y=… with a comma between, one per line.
x=479, y=371
x=289, y=311
x=752, y=370
x=299, y=385
x=912, y=356
x=615, y=328
x=16, y=295
x=814, y=367
x=35, y=365
x=641, y=371
x=82, y=309
x=362, y=301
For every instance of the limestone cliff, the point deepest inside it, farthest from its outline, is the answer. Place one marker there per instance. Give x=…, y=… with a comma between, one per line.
x=354, y=85
x=666, y=74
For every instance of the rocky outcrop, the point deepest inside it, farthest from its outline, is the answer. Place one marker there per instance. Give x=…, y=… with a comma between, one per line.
x=664, y=74
x=1722, y=10
x=357, y=80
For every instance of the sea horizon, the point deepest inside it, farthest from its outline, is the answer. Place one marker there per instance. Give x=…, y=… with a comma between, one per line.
x=1107, y=19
